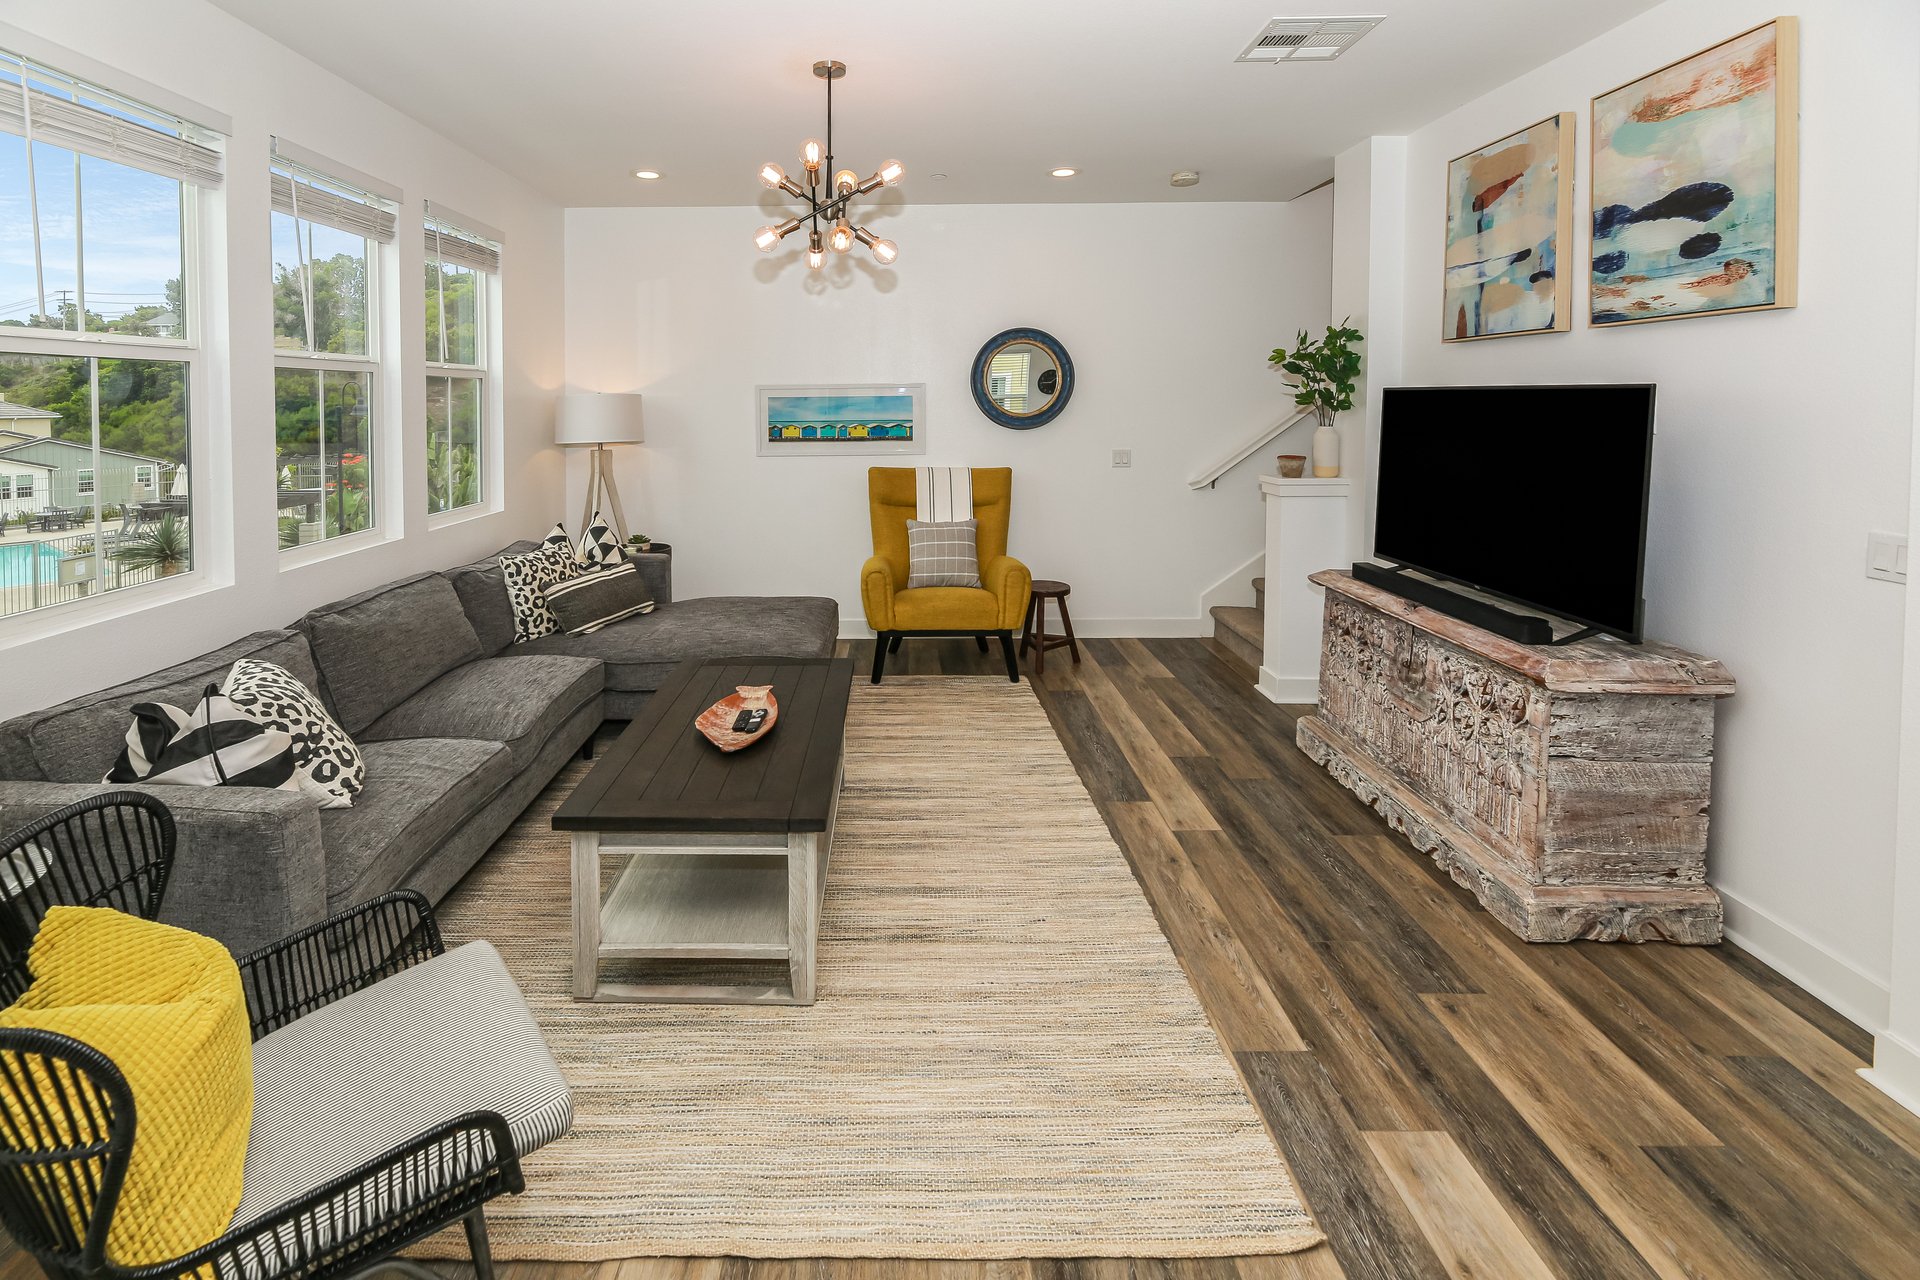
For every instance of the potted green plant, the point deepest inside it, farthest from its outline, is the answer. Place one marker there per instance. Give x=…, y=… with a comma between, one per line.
x=166, y=549
x=640, y=542
x=1322, y=372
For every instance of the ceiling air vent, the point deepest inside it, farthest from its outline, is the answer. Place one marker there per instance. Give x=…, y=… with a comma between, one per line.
x=1308, y=39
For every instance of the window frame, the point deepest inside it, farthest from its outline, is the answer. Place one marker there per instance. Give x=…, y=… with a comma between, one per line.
x=205, y=402
x=321, y=363
x=486, y=309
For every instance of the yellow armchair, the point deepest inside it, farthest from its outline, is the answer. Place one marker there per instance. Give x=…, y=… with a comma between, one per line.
x=996, y=606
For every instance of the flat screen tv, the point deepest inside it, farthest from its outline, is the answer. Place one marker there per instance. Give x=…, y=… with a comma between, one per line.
x=1537, y=495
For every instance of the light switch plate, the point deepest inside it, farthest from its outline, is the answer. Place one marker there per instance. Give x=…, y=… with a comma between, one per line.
x=1123, y=457
x=1887, y=556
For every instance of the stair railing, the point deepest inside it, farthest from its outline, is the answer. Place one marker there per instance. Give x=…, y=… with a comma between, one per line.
x=1210, y=477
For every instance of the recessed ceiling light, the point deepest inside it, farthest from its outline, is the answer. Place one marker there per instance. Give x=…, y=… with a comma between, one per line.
x=938, y=177
x=649, y=175
x=1064, y=173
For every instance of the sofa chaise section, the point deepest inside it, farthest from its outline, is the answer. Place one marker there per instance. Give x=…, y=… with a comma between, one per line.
x=639, y=652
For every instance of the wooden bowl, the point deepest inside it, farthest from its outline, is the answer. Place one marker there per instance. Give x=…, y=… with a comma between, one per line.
x=716, y=722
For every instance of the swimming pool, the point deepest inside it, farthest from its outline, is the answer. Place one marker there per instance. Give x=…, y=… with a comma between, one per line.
x=17, y=563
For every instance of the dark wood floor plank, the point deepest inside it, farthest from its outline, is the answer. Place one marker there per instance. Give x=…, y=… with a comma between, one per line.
x=1855, y=1039
x=1102, y=765
x=1368, y=1225
x=1376, y=1092
x=1771, y=1225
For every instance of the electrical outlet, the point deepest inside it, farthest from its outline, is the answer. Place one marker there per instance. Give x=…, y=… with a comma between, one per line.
x=1887, y=556
x=1123, y=457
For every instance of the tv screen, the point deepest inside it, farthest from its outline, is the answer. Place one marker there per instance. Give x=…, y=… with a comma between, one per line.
x=1536, y=494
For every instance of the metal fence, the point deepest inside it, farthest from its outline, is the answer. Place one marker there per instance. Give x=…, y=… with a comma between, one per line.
x=35, y=573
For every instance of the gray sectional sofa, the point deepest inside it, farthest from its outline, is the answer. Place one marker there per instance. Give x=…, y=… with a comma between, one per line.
x=460, y=727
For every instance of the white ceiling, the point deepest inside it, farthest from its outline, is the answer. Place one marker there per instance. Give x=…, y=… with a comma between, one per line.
x=573, y=95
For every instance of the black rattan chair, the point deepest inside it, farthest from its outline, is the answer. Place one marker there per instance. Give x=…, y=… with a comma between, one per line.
x=67, y=1119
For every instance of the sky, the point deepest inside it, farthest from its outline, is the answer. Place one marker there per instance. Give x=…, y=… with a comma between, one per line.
x=830, y=408
x=132, y=231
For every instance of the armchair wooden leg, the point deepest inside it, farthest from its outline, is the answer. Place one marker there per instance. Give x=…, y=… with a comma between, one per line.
x=982, y=642
x=879, y=655
x=1006, y=651
x=476, y=1223
x=893, y=645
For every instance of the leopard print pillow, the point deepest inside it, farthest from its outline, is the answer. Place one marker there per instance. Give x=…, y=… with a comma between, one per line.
x=326, y=764
x=528, y=575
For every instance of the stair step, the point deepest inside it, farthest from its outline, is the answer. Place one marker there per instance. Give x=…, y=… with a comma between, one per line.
x=1241, y=631
x=1259, y=593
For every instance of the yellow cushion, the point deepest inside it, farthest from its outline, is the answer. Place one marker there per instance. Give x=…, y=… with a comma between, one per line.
x=946, y=609
x=166, y=1007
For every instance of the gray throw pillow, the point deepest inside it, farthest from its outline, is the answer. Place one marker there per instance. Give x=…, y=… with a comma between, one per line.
x=943, y=554
x=599, y=598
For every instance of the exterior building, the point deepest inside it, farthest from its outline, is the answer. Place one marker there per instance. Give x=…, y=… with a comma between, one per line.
x=72, y=478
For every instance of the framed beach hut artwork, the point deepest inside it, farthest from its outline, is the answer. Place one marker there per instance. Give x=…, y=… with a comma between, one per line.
x=1509, y=227
x=1696, y=184
x=829, y=421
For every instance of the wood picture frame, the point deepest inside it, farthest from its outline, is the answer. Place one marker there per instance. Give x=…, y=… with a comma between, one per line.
x=1738, y=219
x=1519, y=191
x=841, y=419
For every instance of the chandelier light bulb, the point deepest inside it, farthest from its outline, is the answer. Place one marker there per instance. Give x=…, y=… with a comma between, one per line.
x=827, y=195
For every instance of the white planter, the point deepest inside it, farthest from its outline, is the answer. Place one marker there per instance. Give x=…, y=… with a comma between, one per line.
x=1326, y=451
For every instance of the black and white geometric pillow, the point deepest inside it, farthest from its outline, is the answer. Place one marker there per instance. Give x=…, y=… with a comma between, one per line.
x=214, y=746
x=599, y=545
x=557, y=537
x=326, y=763
x=527, y=576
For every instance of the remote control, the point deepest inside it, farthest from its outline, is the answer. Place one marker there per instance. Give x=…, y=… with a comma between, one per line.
x=749, y=721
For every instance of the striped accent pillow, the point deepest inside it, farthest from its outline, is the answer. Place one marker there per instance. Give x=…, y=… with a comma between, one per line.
x=214, y=746
x=594, y=600
x=943, y=554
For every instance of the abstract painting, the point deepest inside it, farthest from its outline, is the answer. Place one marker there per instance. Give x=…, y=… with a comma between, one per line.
x=1509, y=218
x=1695, y=184
x=861, y=419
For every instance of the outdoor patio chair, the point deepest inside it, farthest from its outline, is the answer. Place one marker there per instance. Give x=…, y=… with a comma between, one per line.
x=459, y=1062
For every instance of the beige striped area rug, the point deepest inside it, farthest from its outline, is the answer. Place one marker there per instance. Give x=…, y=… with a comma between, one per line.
x=1006, y=1059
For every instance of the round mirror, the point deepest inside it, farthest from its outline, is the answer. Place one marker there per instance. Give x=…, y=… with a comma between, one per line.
x=1022, y=378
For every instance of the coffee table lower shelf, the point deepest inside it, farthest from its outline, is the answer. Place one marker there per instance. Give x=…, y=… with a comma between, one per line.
x=746, y=900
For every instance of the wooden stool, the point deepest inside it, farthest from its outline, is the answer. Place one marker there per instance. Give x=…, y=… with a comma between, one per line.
x=1045, y=589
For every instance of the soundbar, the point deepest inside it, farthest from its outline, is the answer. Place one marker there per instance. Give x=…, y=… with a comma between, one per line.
x=1521, y=627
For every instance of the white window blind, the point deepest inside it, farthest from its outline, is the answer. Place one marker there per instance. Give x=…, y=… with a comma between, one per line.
x=117, y=129
x=461, y=248
x=368, y=215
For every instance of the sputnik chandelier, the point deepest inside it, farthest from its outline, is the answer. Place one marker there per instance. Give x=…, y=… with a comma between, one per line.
x=829, y=228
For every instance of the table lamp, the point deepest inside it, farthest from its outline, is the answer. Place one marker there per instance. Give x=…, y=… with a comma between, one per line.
x=594, y=419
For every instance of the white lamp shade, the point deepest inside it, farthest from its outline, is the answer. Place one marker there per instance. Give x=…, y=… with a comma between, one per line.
x=594, y=417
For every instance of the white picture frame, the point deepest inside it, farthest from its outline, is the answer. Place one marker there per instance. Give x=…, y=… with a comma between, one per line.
x=863, y=419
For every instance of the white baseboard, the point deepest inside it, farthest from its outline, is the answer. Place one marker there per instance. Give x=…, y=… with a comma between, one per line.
x=1288, y=689
x=1084, y=628
x=1895, y=1070
x=1857, y=995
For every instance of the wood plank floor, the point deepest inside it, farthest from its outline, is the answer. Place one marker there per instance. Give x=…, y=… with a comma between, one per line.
x=1454, y=1102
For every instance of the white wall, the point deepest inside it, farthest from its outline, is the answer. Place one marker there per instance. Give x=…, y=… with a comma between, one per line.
x=1783, y=439
x=195, y=50
x=1168, y=311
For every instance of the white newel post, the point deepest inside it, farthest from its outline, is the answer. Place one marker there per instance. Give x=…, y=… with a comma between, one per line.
x=1307, y=531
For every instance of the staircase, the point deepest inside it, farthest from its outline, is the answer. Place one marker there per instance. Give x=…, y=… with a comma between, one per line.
x=1242, y=631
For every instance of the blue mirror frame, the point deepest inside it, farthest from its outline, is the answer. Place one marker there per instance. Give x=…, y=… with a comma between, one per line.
x=1022, y=421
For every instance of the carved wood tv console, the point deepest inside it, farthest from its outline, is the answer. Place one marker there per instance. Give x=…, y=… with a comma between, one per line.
x=1567, y=787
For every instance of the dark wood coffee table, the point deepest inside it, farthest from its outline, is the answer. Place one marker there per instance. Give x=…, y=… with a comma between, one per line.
x=726, y=853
